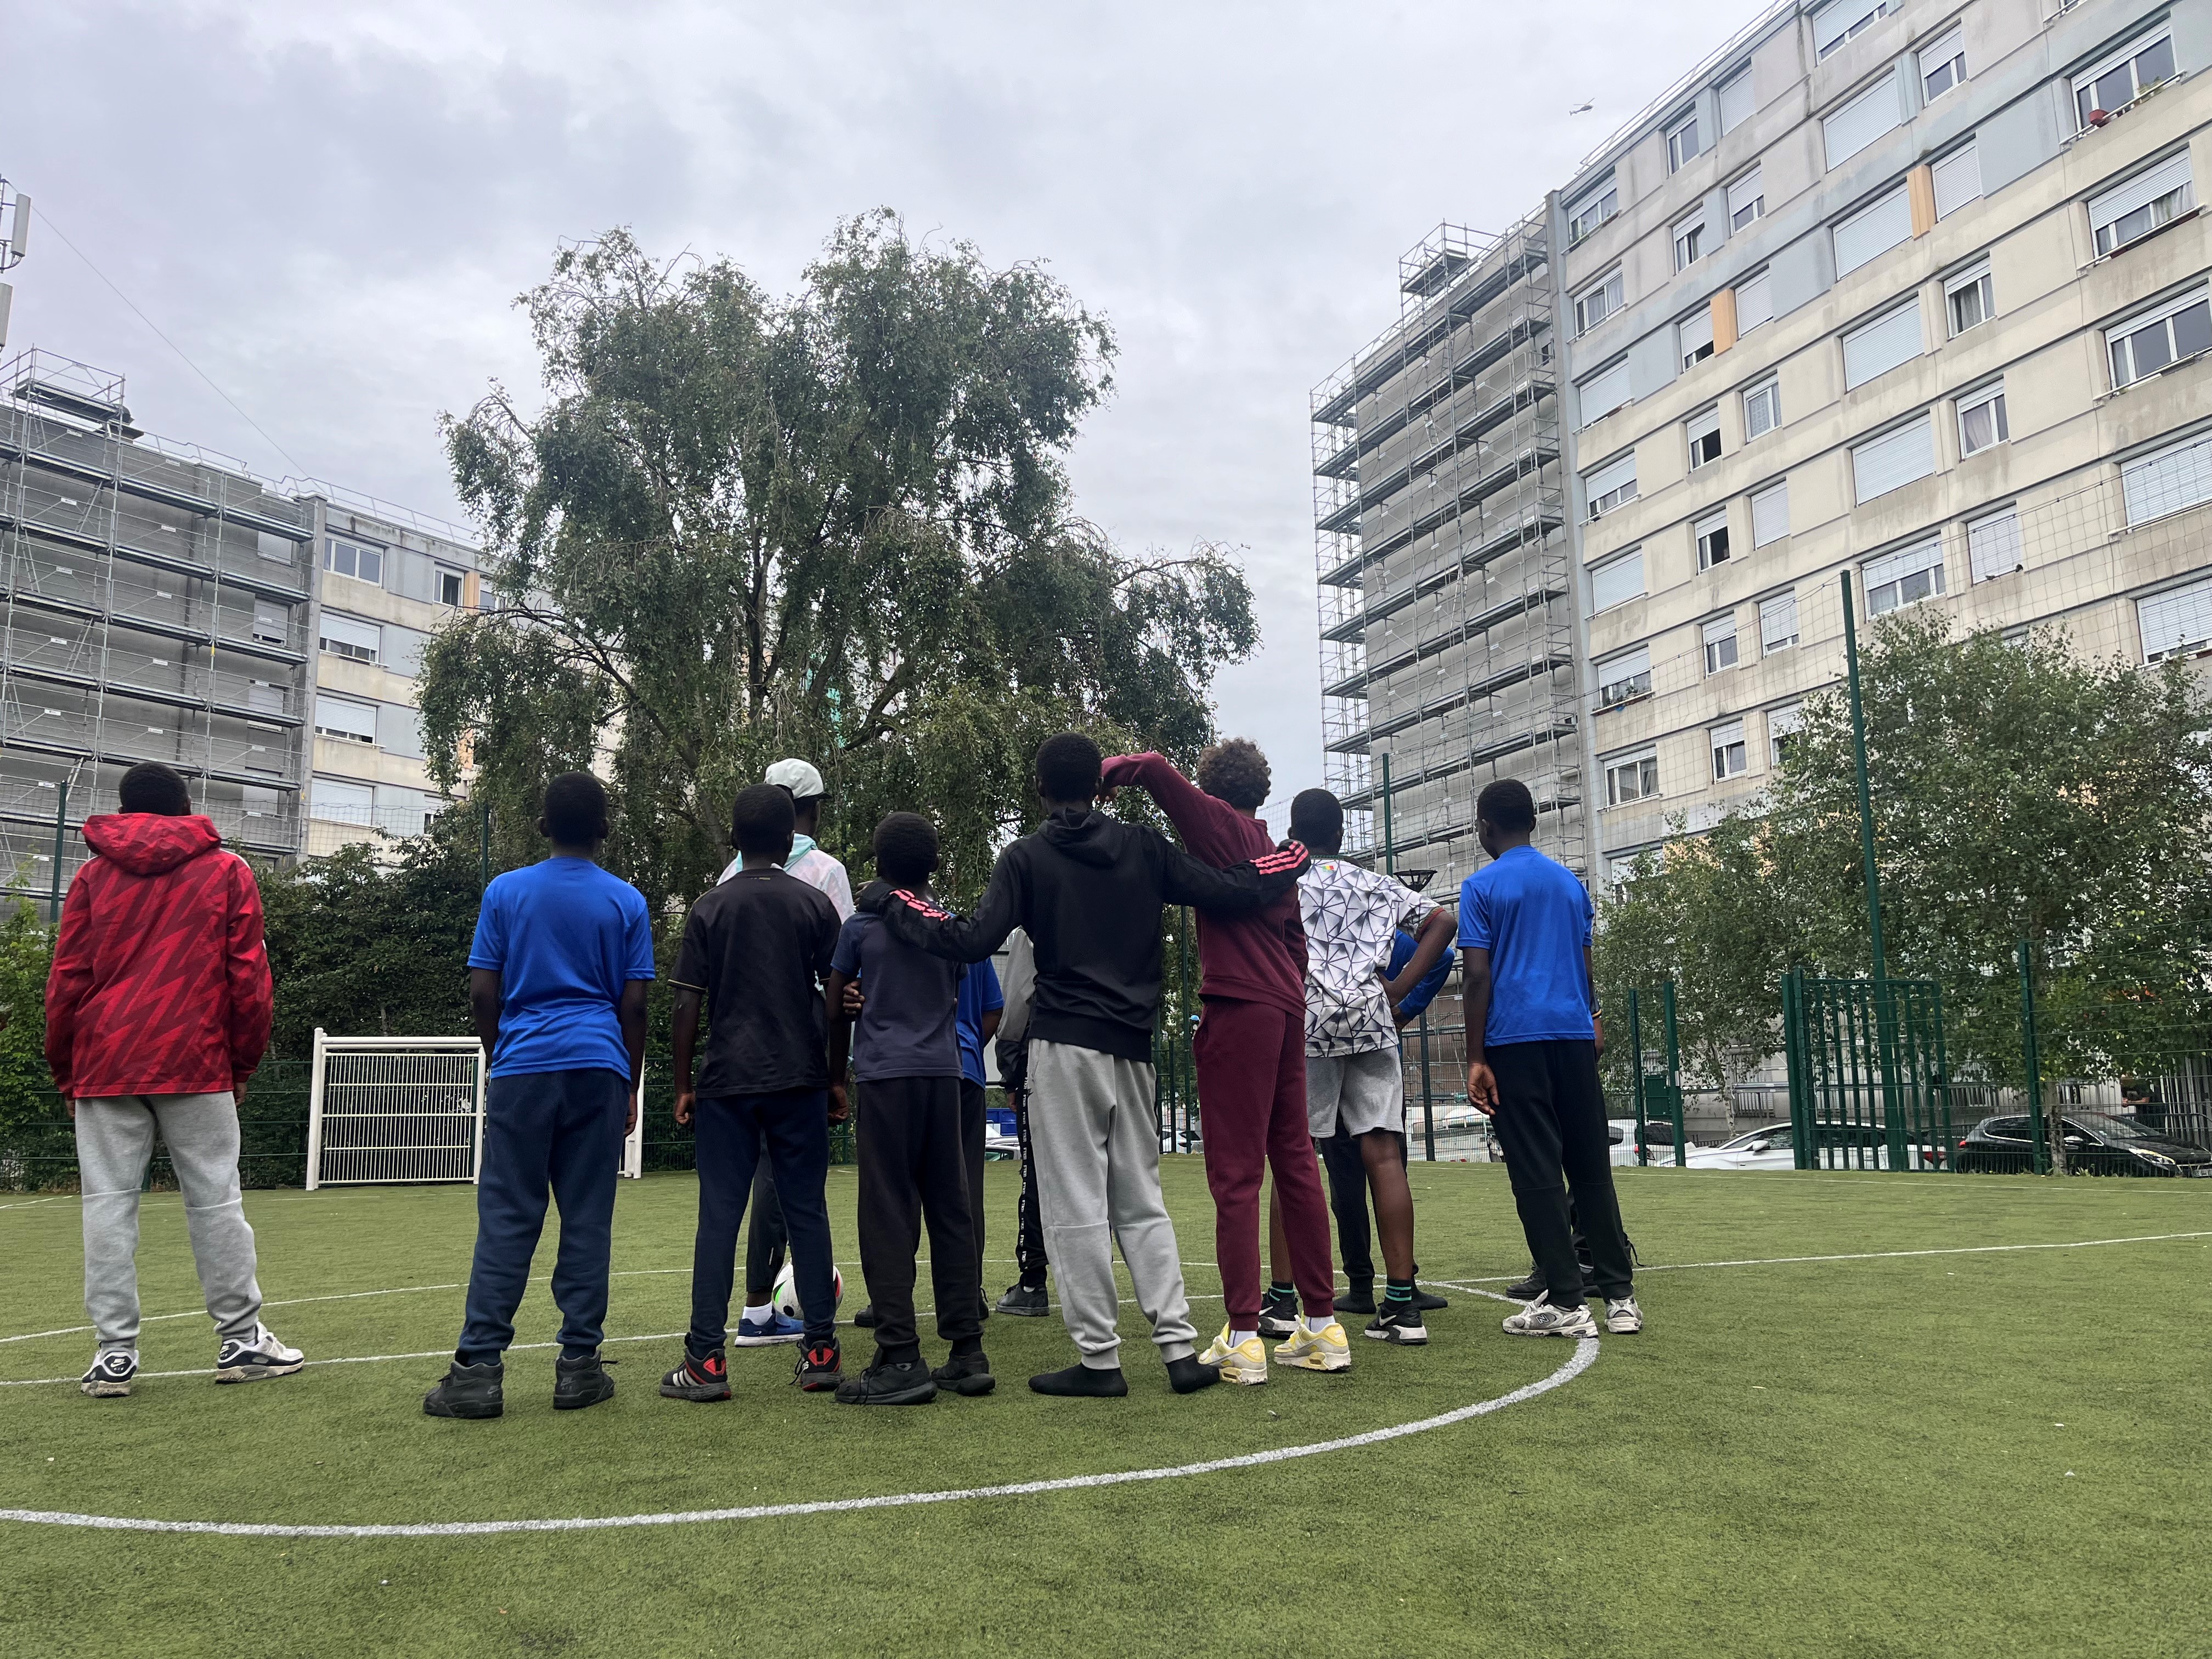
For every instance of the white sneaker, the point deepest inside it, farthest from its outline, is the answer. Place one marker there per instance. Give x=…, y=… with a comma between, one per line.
x=250, y=1362
x=1544, y=1319
x=1237, y=1362
x=111, y=1374
x=1325, y=1349
x=1622, y=1316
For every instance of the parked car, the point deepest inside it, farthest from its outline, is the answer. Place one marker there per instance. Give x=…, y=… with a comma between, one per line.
x=1000, y=1143
x=2096, y=1142
x=1767, y=1148
x=1658, y=1138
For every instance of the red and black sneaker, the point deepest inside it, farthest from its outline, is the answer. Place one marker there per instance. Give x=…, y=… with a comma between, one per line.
x=821, y=1366
x=701, y=1380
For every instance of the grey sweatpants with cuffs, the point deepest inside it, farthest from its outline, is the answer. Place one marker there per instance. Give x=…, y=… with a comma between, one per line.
x=114, y=1146
x=1098, y=1179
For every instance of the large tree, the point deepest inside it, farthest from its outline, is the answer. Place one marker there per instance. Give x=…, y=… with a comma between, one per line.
x=835, y=525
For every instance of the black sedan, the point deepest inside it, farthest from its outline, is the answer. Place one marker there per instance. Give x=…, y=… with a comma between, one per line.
x=2096, y=1144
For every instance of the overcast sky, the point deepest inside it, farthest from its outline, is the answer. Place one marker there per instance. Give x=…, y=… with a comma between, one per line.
x=329, y=207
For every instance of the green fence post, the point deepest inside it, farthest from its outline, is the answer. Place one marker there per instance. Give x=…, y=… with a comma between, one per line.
x=1675, y=1072
x=2031, y=1054
x=1636, y=1075
x=61, y=828
x=1428, y=1100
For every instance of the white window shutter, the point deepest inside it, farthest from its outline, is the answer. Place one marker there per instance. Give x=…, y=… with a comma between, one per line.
x=1617, y=583
x=1881, y=345
x=2168, y=481
x=1744, y=191
x=1699, y=426
x=1735, y=100
x=1696, y=333
x=1754, y=304
x=1859, y=123
x=1610, y=476
x=1993, y=545
x=1872, y=230
x=1958, y=179
x=2175, y=621
x=2140, y=190
x=1770, y=514
x=1895, y=459
x=1906, y=562
x=1602, y=393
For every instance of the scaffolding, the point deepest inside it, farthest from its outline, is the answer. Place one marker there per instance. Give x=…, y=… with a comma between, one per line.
x=1442, y=553
x=158, y=606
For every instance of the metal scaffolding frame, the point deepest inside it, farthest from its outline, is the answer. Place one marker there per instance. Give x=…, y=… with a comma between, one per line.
x=1441, y=552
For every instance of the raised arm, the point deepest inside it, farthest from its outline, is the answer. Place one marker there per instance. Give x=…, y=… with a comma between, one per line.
x=916, y=921
x=1208, y=826
x=1239, y=888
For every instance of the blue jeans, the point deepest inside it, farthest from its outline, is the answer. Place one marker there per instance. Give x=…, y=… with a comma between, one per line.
x=730, y=1133
x=562, y=1130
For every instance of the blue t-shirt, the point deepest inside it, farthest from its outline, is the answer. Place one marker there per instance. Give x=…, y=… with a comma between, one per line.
x=908, y=1014
x=1533, y=917
x=564, y=937
x=979, y=995
x=1402, y=952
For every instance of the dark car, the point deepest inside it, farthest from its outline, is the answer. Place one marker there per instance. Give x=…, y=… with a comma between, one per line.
x=2096, y=1144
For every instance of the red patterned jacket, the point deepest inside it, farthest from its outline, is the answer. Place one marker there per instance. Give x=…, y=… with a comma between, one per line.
x=160, y=984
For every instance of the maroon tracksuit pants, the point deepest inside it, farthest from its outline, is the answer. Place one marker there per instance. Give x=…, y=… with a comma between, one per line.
x=1252, y=1113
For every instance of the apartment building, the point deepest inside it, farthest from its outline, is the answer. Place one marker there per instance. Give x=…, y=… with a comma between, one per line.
x=1908, y=293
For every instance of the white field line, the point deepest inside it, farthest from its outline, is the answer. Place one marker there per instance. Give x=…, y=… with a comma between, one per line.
x=1864, y=1255
x=33, y=1203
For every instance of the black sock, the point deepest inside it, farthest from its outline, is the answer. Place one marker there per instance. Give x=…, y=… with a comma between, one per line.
x=1398, y=1289
x=1083, y=1381
x=965, y=1345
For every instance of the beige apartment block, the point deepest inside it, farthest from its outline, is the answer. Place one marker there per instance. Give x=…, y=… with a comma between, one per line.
x=1907, y=294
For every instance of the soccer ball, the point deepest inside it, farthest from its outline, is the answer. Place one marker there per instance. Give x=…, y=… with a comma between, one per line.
x=786, y=1294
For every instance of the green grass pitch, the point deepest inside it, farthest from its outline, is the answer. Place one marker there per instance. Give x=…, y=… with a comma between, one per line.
x=1994, y=1452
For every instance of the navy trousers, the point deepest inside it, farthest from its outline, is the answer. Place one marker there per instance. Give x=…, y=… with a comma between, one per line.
x=732, y=1134
x=560, y=1131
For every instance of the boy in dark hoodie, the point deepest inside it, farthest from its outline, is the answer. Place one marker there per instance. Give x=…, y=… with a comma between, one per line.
x=157, y=1011
x=1088, y=889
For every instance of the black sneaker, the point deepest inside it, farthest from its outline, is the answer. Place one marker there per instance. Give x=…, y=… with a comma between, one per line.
x=967, y=1374
x=1359, y=1299
x=468, y=1391
x=1088, y=1382
x=111, y=1374
x=821, y=1367
x=1399, y=1322
x=1427, y=1301
x=906, y=1383
x=1530, y=1289
x=580, y=1383
x=704, y=1381
x=1025, y=1302
x=1278, y=1315
x=865, y=1319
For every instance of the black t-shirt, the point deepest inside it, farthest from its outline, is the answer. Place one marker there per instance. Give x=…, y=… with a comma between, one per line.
x=907, y=1025
x=758, y=947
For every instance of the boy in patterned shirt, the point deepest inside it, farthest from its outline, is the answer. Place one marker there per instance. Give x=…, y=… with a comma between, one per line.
x=1355, y=1078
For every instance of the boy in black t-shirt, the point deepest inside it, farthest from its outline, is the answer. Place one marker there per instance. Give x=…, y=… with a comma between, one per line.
x=754, y=951
x=913, y=1157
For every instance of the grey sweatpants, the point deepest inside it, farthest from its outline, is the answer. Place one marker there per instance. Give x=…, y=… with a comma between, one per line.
x=115, y=1144
x=1098, y=1180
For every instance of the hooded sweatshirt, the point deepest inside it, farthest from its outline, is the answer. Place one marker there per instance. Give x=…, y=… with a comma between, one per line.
x=159, y=983
x=1088, y=889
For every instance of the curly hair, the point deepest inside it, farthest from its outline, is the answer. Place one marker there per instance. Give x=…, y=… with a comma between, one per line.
x=1235, y=771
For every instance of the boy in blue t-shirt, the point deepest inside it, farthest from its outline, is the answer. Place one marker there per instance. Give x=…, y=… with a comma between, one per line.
x=976, y=1021
x=557, y=979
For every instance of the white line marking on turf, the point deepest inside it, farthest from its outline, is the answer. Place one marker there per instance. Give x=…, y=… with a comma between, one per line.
x=31, y=1203
x=1878, y=1255
x=1584, y=1356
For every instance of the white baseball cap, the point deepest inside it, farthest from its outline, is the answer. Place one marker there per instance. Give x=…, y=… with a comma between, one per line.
x=801, y=777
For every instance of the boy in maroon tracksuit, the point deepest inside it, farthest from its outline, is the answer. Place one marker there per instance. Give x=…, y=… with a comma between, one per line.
x=1251, y=1054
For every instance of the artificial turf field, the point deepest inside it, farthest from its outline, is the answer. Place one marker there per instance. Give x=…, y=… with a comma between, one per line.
x=1994, y=1452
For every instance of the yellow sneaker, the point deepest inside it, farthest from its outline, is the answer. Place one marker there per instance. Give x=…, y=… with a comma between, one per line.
x=1317, y=1351
x=1240, y=1362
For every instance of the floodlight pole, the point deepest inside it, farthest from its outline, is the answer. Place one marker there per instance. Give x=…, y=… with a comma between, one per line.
x=61, y=828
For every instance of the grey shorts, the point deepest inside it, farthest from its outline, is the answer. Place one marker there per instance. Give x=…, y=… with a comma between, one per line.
x=1357, y=1093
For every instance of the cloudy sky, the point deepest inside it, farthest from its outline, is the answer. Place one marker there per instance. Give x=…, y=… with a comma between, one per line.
x=328, y=208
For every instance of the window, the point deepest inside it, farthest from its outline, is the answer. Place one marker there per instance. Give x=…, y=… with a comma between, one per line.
x=1833, y=25
x=1682, y=144
x=1712, y=541
x=450, y=586
x=2167, y=481
x=1958, y=179
x=2124, y=77
x=1942, y=64
x=1603, y=392
x=265, y=697
x=1636, y=778
x=337, y=717
x=1597, y=303
x=347, y=803
x=1762, y=409
x=1902, y=578
x=1993, y=545
x=1769, y=514
x=1612, y=485
x=1895, y=459
x=277, y=549
x=1695, y=336
x=345, y=637
x=1730, y=758
x=1872, y=230
x=1875, y=348
x=353, y=559
x=1747, y=199
x=1735, y=99
x=1718, y=636
x=1970, y=298
x=2176, y=623
x=1689, y=240
x=272, y=623
x=2154, y=340
x=1754, y=303
x=1860, y=122
x=2140, y=206
x=1781, y=725
x=1778, y=623
x=1593, y=210
x=1616, y=581
x=1704, y=432
x=1982, y=420
x=1625, y=677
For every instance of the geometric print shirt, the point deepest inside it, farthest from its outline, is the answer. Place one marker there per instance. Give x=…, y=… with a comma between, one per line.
x=1352, y=918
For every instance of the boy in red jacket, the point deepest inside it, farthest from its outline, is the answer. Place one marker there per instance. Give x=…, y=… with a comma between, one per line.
x=157, y=1011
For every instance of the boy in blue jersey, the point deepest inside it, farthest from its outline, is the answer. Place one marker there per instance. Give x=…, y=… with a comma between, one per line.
x=1532, y=1048
x=557, y=979
x=976, y=1017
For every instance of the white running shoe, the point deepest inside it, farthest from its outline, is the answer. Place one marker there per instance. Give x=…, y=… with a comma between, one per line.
x=1237, y=1362
x=265, y=1356
x=111, y=1374
x=1546, y=1319
x=1622, y=1316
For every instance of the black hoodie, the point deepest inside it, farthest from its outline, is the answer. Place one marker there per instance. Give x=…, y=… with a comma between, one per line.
x=1089, y=889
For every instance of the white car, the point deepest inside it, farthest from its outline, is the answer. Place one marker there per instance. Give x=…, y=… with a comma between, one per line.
x=1767, y=1148
x=1659, y=1137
